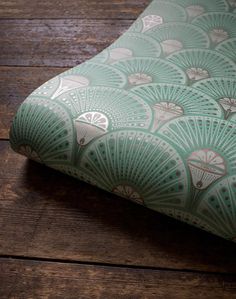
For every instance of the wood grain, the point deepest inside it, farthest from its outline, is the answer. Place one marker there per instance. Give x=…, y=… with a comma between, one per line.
x=82, y=9
x=49, y=215
x=33, y=279
x=61, y=43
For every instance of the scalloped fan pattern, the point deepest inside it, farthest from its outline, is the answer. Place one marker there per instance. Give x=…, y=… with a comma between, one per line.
x=152, y=118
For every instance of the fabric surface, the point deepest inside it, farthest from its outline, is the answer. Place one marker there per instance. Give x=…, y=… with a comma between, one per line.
x=152, y=118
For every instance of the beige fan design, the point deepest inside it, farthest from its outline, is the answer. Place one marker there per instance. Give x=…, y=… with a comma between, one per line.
x=89, y=126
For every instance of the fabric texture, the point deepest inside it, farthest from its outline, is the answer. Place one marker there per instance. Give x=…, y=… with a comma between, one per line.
x=151, y=118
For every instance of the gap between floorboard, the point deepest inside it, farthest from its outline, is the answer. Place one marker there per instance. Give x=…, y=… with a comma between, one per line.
x=138, y=267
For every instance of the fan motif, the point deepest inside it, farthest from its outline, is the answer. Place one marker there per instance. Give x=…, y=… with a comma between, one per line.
x=139, y=78
x=157, y=13
x=120, y=53
x=151, y=21
x=218, y=35
x=195, y=10
x=218, y=25
x=197, y=73
x=228, y=48
x=27, y=151
x=200, y=64
x=132, y=44
x=171, y=45
x=108, y=160
x=165, y=111
x=129, y=193
x=122, y=108
x=140, y=70
x=208, y=145
x=89, y=126
x=217, y=207
x=201, y=132
x=206, y=167
x=229, y=105
x=43, y=130
x=69, y=83
x=175, y=36
x=222, y=90
x=169, y=101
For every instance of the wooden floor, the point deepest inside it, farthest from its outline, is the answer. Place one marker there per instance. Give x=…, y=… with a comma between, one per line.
x=61, y=238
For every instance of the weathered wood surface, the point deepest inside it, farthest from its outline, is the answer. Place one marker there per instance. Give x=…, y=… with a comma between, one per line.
x=79, y=9
x=33, y=279
x=49, y=215
x=63, y=43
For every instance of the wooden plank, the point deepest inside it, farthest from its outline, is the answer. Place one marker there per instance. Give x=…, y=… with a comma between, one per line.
x=62, y=43
x=49, y=215
x=106, y=9
x=34, y=279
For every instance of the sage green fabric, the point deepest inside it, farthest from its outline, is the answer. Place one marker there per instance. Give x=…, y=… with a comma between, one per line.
x=152, y=118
